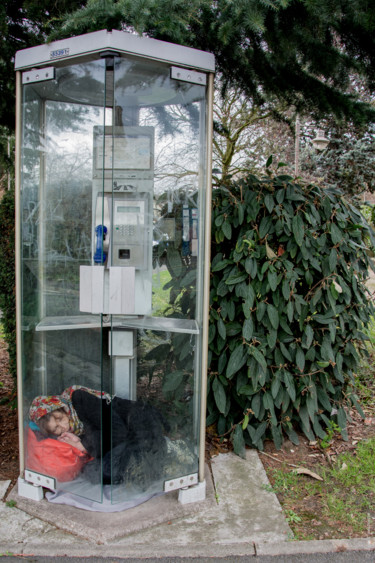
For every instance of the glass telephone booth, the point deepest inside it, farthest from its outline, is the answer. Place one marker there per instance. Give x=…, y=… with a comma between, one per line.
x=113, y=223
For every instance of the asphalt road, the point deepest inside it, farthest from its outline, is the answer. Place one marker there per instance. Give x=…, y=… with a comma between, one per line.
x=346, y=557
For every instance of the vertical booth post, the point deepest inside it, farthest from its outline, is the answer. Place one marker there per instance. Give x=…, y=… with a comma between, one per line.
x=113, y=201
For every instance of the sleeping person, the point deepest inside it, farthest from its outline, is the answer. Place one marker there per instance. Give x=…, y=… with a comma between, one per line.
x=123, y=439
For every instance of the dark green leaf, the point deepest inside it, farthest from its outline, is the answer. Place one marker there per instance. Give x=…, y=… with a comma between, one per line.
x=318, y=429
x=236, y=278
x=172, y=381
x=298, y=229
x=248, y=329
x=220, y=395
x=269, y=203
x=174, y=261
x=272, y=280
x=336, y=234
x=277, y=436
x=341, y=422
x=238, y=442
x=241, y=213
x=236, y=361
x=289, y=311
x=159, y=353
x=220, y=265
x=258, y=356
x=333, y=259
x=311, y=406
x=261, y=309
x=226, y=227
x=326, y=351
x=286, y=289
x=300, y=359
x=275, y=386
x=292, y=435
x=255, y=405
x=272, y=338
x=189, y=278
x=221, y=329
x=308, y=336
x=265, y=226
x=273, y=315
x=285, y=352
x=259, y=432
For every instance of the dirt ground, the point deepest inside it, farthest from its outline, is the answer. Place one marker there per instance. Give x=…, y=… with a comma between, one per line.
x=315, y=522
x=9, y=468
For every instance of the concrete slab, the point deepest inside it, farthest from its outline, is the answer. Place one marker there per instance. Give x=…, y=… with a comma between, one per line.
x=316, y=546
x=3, y=488
x=19, y=527
x=244, y=513
x=105, y=527
x=116, y=552
x=237, y=512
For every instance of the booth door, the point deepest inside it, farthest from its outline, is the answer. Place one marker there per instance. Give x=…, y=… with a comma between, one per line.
x=154, y=167
x=61, y=346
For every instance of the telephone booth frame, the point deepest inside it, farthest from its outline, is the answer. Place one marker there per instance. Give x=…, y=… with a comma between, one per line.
x=108, y=127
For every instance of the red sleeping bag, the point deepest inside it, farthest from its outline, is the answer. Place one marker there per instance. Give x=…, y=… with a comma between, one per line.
x=53, y=458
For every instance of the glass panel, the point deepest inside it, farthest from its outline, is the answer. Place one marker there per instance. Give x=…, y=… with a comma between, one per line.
x=56, y=199
x=157, y=157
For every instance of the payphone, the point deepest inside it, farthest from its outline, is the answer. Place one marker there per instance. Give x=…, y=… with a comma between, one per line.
x=122, y=222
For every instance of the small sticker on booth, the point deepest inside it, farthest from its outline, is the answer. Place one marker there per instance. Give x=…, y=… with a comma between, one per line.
x=59, y=53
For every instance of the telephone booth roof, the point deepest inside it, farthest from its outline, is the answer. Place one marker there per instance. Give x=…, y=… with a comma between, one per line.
x=89, y=45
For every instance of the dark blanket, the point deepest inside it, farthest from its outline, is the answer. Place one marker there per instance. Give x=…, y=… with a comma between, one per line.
x=125, y=438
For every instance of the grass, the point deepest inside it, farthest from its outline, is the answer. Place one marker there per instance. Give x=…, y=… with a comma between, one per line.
x=160, y=297
x=343, y=502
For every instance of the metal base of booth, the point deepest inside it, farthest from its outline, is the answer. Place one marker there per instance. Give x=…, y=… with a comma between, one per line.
x=187, y=495
x=195, y=493
x=29, y=490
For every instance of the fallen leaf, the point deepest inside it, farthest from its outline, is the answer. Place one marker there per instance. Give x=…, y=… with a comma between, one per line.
x=304, y=471
x=344, y=466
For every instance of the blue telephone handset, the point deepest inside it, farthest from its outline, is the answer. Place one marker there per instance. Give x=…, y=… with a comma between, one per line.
x=100, y=255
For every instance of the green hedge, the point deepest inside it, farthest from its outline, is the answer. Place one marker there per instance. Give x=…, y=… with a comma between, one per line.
x=287, y=308
x=7, y=276
x=288, y=304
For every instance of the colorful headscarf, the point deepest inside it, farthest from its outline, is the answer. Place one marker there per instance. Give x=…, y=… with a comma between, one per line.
x=45, y=404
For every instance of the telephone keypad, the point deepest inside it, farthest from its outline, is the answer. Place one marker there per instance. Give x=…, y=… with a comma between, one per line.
x=126, y=230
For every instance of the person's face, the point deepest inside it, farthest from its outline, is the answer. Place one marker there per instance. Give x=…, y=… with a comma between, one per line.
x=58, y=423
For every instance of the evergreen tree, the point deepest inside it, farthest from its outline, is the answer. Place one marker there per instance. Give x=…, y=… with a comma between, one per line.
x=23, y=23
x=301, y=52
